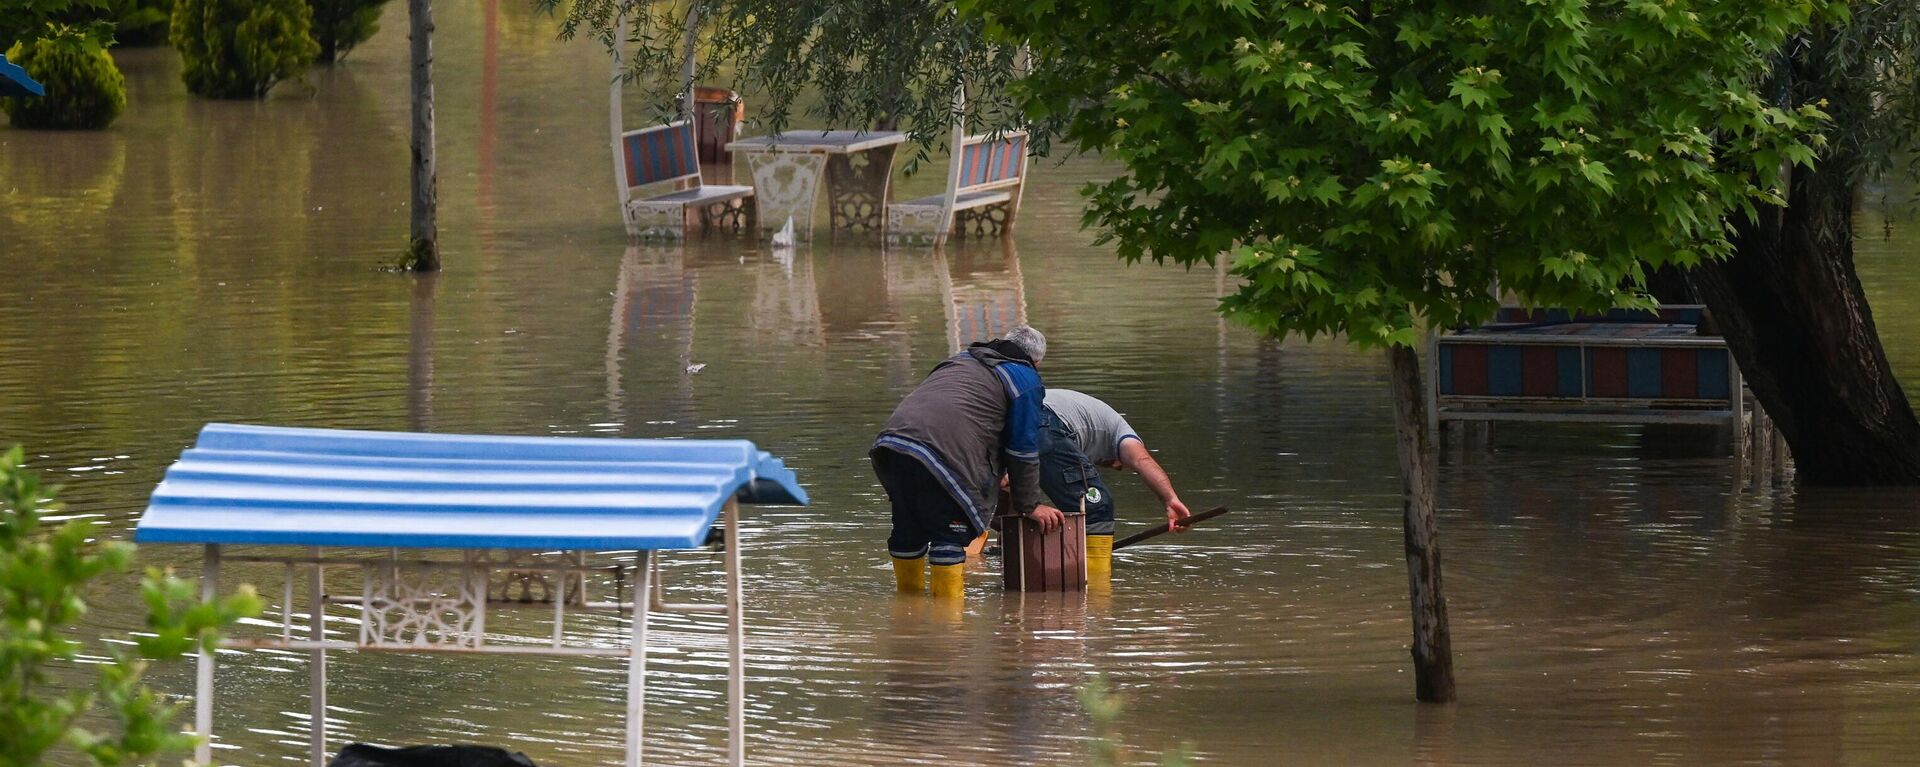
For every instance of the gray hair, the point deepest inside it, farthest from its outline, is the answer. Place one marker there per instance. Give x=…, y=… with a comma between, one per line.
x=1029, y=341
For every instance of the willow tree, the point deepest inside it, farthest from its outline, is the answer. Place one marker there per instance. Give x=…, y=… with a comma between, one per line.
x=844, y=63
x=1371, y=169
x=1790, y=301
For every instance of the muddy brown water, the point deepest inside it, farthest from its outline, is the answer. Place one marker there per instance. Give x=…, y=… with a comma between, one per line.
x=1616, y=598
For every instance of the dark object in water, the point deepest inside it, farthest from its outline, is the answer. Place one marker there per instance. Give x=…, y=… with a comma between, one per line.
x=363, y=755
x=1037, y=561
x=1162, y=528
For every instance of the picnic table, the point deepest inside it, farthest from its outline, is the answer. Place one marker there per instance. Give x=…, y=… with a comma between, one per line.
x=787, y=166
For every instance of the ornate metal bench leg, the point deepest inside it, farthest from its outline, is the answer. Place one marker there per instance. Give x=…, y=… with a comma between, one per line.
x=656, y=220
x=914, y=224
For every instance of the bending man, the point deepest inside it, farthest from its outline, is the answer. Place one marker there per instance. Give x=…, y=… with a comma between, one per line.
x=942, y=453
x=1078, y=433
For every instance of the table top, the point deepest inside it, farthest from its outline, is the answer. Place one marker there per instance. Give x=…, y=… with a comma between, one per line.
x=816, y=141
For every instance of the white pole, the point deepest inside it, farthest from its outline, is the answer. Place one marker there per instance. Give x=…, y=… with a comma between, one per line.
x=614, y=110
x=736, y=644
x=317, y=690
x=691, y=40
x=637, y=661
x=203, y=682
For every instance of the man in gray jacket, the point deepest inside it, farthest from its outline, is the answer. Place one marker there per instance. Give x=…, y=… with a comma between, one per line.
x=941, y=455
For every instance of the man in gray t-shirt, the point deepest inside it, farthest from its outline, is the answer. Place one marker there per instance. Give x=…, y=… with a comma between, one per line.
x=1079, y=433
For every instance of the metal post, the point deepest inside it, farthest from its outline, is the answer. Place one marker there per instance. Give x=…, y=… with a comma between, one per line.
x=614, y=111
x=736, y=644
x=203, y=682
x=691, y=41
x=1736, y=393
x=637, y=661
x=317, y=685
x=1433, y=390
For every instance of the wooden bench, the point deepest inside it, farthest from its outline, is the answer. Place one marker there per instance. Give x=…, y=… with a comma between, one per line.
x=658, y=170
x=1618, y=367
x=982, y=196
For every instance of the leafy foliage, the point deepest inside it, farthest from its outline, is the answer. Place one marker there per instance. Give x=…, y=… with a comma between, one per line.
x=1103, y=707
x=1865, y=70
x=898, y=62
x=44, y=574
x=130, y=22
x=1372, y=168
x=25, y=20
x=240, y=49
x=135, y=22
x=339, y=25
x=85, y=90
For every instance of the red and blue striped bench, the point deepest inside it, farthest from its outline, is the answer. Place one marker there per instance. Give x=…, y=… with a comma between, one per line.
x=1552, y=365
x=658, y=170
x=987, y=171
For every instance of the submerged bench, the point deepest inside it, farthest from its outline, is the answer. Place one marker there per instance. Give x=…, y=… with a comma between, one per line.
x=425, y=542
x=659, y=179
x=1618, y=367
x=982, y=196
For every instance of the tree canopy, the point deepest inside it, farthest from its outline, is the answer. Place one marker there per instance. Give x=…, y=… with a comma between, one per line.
x=1375, y=167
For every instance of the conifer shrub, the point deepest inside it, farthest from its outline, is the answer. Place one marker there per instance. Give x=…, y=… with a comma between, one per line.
x=339, y=25
x=240, y=49
x=85, y=90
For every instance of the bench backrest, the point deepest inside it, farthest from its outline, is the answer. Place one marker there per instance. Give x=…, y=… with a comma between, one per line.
x=659, y=154
x=1572, y=371
x=988, y=162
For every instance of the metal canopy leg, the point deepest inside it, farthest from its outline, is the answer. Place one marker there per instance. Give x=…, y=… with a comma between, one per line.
x=203, y=682
x=637, y=661
x=736, y=644
x=317, y=632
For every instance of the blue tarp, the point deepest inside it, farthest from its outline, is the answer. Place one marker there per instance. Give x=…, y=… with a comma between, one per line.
x=15, y=82
x=327, y=487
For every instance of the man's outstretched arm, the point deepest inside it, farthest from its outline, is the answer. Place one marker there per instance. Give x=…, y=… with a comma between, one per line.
x=1134, y=455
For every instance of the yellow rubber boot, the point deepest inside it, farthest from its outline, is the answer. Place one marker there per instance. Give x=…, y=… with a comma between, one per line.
x=1099, y=558
x=910, y=575
x=949, y=581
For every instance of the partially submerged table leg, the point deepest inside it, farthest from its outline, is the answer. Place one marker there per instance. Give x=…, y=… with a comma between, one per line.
x=786, y=184
x=857, y=186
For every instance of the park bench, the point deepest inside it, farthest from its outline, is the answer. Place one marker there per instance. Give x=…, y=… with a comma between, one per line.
x=658, y=170
x=982, y=196
x=1619, y=367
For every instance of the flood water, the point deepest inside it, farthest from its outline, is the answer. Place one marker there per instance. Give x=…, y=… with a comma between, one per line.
x=1617, y=598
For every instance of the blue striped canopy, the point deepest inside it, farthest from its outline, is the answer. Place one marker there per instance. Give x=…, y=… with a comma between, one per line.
x=15, y=82
x=327, y=487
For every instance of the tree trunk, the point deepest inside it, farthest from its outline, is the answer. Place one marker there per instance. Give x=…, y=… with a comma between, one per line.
x=423, y=253
x=1432, y=642
x=1792, y=310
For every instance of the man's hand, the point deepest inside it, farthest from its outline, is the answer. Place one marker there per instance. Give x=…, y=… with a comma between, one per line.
x=1050, y=518
x=1177, y=515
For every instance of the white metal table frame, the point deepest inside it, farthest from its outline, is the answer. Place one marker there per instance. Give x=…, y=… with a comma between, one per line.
x=787, y=169
x=470, y=635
